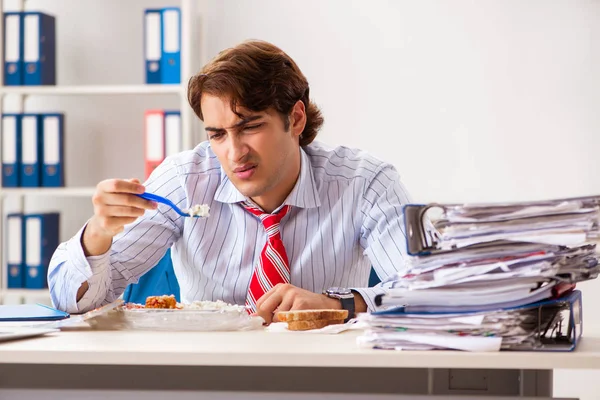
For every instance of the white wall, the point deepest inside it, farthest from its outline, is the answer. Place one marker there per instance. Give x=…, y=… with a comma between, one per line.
x=471, y=100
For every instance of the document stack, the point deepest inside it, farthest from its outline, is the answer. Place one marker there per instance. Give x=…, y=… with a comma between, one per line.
x=33, y=150
x=162, y=137
x=31, y=241
x=487, y=277
x=162, y=38
x=29, y=49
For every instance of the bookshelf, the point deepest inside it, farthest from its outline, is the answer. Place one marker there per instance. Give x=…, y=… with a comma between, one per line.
x=90, y=90
x=191, y=131
x=58, y=192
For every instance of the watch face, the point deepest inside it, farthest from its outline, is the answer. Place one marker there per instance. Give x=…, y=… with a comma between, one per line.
x=339, y=290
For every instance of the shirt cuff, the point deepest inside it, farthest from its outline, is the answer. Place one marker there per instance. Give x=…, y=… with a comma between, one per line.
x=369, y=294
x=91, y=269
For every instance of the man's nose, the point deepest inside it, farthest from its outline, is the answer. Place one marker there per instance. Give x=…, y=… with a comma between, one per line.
x=237, y=149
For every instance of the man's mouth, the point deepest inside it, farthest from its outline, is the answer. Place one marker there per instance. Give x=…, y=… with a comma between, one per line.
x=245, y=171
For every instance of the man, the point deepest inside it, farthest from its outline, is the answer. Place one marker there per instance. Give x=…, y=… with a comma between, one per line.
x=289, y=219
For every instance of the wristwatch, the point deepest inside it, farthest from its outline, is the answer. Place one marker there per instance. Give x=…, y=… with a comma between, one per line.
x=345, y=296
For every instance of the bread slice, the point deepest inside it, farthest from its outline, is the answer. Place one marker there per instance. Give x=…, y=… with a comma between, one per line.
x=312, y=315
x=314, y=324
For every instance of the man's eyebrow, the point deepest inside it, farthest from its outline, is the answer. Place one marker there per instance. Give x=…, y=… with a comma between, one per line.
x=242, y=122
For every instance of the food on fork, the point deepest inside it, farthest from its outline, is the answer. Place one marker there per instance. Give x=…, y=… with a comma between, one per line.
x=303, y=320
x=161, y=302
x=198, y=210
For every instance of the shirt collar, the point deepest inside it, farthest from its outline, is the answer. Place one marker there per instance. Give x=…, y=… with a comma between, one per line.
x=305, y=193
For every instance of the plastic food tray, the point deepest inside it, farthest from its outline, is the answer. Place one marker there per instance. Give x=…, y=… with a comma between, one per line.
x=189, y=319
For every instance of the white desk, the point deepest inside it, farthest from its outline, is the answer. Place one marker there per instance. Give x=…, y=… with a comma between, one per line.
x=87, y=359
x=265, y=349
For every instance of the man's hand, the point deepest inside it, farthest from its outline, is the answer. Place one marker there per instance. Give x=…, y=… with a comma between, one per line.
x=286, y=297
x=115, y=205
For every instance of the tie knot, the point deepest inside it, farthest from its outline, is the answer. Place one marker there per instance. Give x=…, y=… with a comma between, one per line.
x=269, y=221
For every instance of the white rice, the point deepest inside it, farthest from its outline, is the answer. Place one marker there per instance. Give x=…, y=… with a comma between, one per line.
x=212, y=305
x=198, y=210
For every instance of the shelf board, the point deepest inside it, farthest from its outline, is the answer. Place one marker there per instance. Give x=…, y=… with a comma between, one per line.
x=91, y=90
x=24, y=292
x=62, y=192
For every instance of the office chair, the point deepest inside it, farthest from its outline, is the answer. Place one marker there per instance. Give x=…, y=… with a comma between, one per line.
x=158, y=281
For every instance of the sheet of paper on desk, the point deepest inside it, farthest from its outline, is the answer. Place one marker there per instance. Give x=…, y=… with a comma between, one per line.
x=438, y=324
x=406, y=340
x=353, y=324
x=458, y=302
x=556, y=236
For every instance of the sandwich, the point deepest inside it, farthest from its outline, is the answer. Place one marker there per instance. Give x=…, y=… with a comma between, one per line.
x=303, y=320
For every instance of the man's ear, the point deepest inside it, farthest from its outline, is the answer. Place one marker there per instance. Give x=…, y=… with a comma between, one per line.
x=298, y=118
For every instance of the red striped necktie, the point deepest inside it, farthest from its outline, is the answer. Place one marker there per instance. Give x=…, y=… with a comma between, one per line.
x=273, y=266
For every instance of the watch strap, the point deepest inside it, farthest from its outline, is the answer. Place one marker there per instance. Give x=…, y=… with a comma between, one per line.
x=348, y=304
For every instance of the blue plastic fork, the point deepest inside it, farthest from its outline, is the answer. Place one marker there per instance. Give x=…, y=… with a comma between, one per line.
x=163, y=200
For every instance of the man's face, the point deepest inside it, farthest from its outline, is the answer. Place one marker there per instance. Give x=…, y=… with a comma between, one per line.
x=260, y=158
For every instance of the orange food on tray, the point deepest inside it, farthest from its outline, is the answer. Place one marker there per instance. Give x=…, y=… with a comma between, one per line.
x=161, y=302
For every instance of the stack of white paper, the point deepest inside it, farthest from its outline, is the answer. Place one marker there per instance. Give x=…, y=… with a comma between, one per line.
x=482, y=331
x=483, y=261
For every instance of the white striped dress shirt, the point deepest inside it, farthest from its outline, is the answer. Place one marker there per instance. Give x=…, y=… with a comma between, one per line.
x=346, y=216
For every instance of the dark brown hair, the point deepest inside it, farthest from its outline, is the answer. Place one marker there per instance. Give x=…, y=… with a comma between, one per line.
x=257, y=75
